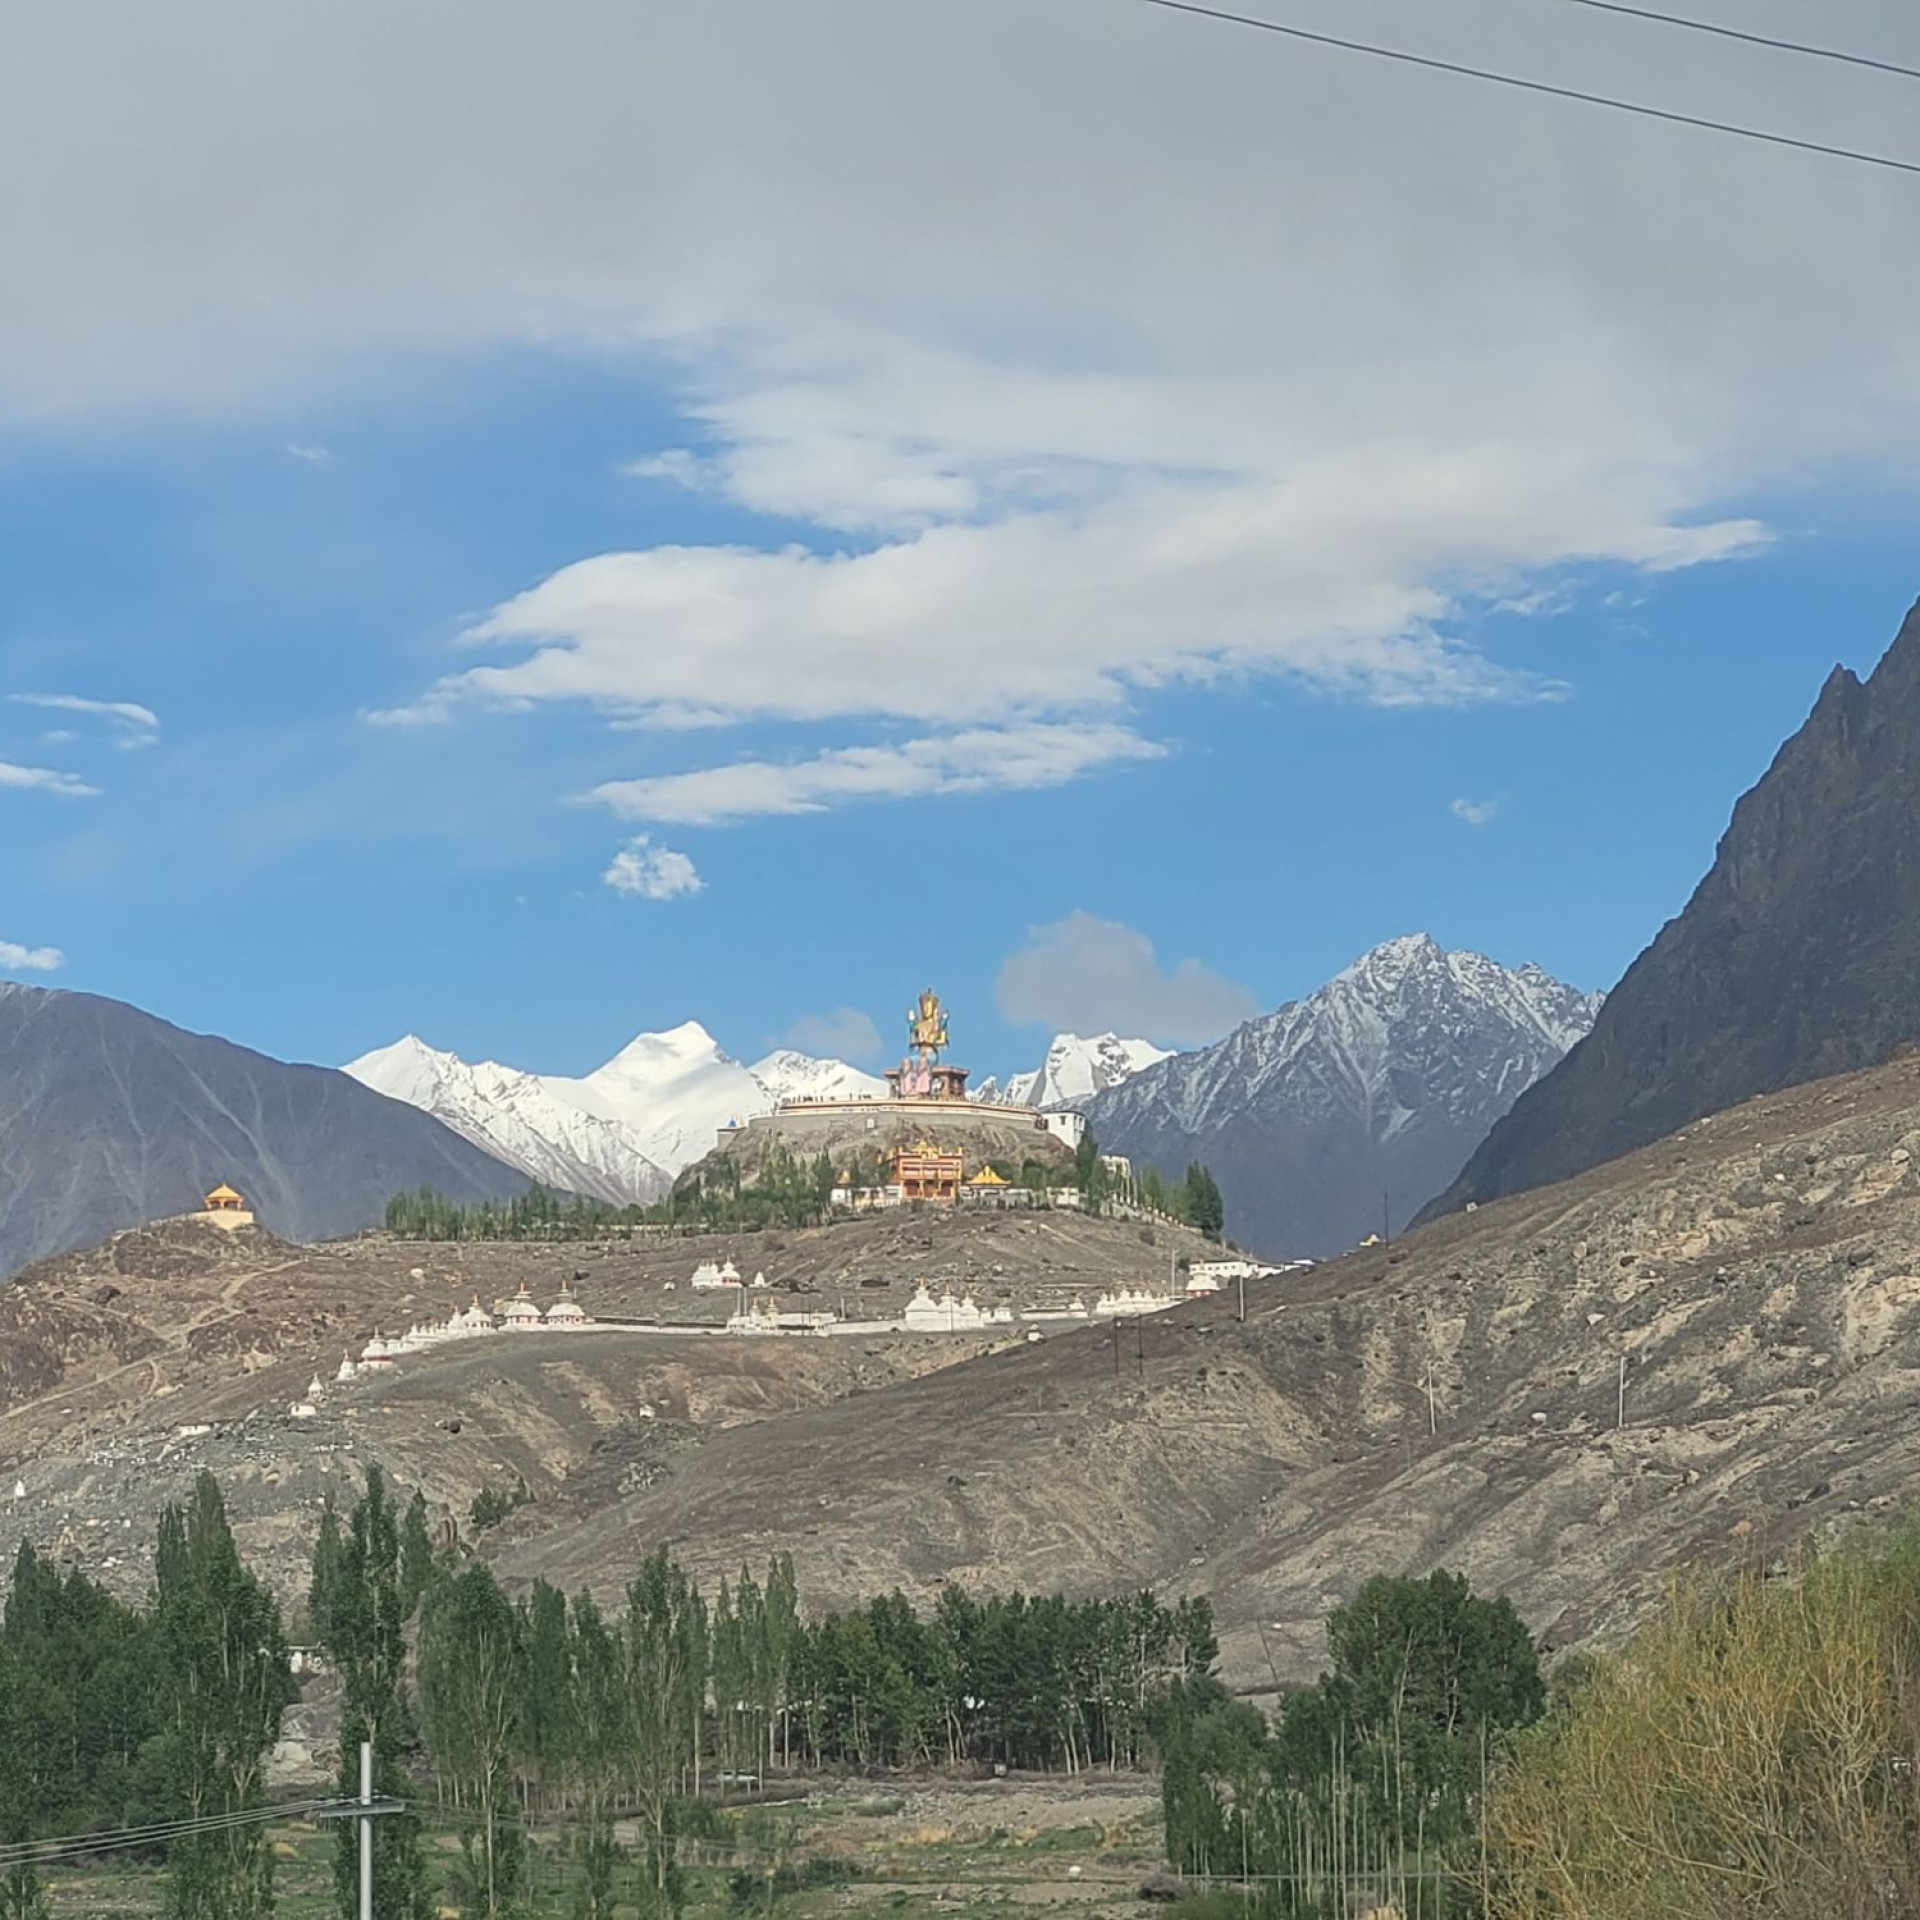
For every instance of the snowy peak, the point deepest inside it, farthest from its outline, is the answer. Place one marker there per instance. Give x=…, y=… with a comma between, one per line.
x=1384, y=1079
x=1076, y=1069
x=519, y=1118
x=620, y=1132
x=787, y=1075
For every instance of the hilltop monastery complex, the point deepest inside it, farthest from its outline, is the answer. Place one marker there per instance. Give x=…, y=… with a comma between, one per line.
x=938, y=1145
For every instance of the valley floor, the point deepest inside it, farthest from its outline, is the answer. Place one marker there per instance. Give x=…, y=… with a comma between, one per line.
x=1034, y=1844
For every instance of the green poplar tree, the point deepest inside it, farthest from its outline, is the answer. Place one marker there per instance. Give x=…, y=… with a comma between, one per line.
x=416, y=1555
x=225, y=1680
x=597, y=1709
x=471, y=1692
x=363, y=1629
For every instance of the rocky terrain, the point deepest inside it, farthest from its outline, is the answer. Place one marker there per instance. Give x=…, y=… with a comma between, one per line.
x=1454, y=1400
x=109, y=1117
x=978, y=1130
x=1356, y=1104
x=1798, y=955
x=1746, y=1293
x=126, y=1368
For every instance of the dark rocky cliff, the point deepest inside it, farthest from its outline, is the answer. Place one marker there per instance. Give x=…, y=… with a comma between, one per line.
x=1798, y=955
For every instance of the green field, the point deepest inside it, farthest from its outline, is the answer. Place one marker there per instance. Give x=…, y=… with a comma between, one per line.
x=954, y=1849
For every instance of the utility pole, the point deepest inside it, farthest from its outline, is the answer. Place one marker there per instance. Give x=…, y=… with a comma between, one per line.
x=1433, y=1422
x=1386, y=1216
x=1621, y=1418
x=366, y=1810
x=1240, y=1287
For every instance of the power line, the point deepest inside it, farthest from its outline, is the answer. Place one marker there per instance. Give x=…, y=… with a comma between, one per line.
x=158, y=1833
x=1466, y=71
x=1752, y=39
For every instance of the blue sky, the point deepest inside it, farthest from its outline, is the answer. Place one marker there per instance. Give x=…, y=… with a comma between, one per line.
x=923, y=556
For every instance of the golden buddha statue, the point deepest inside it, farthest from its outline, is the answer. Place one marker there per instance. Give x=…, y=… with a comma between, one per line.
x=927, y=1024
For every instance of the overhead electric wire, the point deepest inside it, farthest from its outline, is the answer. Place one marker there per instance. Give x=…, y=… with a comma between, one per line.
x=1715, y=28
x=1466, y=70
x=160, y=1832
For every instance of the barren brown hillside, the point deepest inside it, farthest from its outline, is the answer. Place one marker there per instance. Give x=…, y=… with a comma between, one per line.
x=1454, y=1400
x=126, y=1368
x=1758, y=1274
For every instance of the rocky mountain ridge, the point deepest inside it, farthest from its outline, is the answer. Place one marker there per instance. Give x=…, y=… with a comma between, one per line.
x=1074, y=1070
x=110, y=1117
x=1797, y=956
x=1355, y=1104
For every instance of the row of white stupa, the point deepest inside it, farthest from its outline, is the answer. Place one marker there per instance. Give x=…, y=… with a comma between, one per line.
x=521, y=1314
x=707, y=1276
x=951, y=1313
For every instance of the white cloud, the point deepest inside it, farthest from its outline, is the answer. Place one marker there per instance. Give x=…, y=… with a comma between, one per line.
x=652, y=873
x=45, y=780
x=15, y=958
x=844, y=1034
x=1476, y=813
x=1087, y=975
x=1289, y=376
x=980, y=760
x=310, y=455
x=134, y=725
x=677, y=464
x=1326, y=579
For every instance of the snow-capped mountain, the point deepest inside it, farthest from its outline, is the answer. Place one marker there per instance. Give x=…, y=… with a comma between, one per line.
x=527, y=1120
x=675, y=1090
x=1076, y=1069
x=787, y=1075
x=1359, y=1102
x=621, y=1132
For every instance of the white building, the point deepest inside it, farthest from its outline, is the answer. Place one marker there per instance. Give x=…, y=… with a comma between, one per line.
x=1209, y=1276
x=706, y=1276
x=1067, y=1127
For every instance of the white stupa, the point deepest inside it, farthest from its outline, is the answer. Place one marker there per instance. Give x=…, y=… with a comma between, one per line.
x=522, y=1313
x=347, y=1370
x=567, y=1311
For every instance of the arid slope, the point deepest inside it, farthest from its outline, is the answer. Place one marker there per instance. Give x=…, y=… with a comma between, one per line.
x=1454, y=1400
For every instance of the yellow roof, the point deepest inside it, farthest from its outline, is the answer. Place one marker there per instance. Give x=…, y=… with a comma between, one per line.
x=986, y=1177
x=223, y=1192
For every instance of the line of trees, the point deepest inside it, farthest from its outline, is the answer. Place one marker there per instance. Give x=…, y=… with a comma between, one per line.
x=116, y=1717
x=548, y=1706
x=788, y=1191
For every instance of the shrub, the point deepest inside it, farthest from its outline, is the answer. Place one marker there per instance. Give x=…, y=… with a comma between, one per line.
x=1750, y=1752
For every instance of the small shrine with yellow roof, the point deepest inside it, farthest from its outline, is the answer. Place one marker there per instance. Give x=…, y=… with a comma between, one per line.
x=228, y=1209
